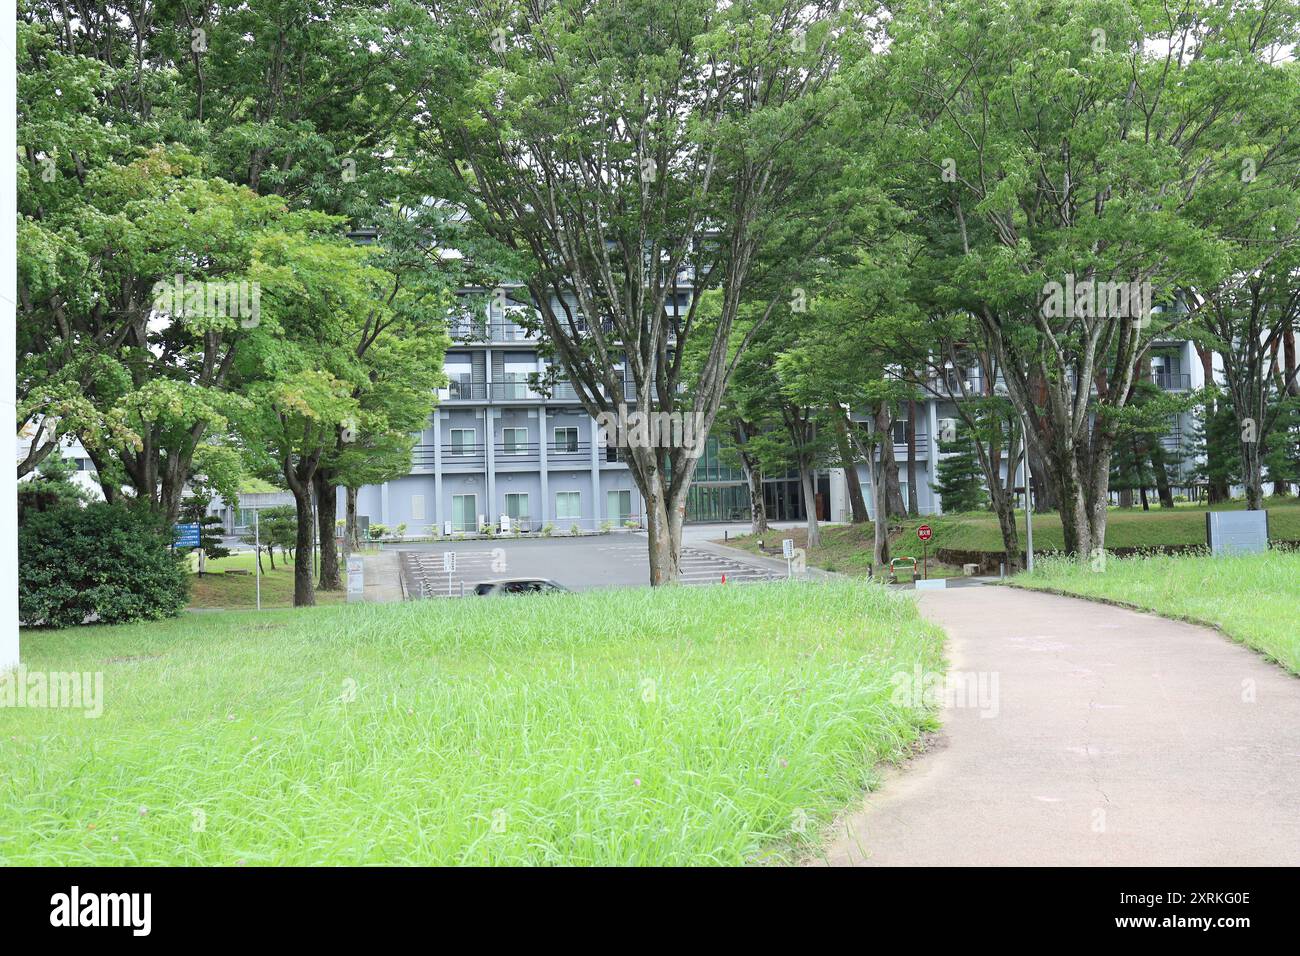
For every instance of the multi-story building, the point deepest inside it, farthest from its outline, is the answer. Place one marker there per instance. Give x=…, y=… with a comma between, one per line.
x=498, y=446
x=1174, y=367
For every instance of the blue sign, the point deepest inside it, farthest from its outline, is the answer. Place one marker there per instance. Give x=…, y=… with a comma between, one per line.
x=187, y=536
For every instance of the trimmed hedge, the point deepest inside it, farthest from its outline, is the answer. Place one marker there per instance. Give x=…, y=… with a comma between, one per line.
x=97, y=563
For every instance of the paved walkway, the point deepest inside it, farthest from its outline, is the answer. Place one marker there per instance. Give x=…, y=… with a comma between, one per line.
x=383, y=578
x=1113, y=737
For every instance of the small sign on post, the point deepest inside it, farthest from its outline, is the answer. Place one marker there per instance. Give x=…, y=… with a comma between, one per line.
x=925, y=534
x=787, y=551
x=356, y=578
x=186, y=536
x=449, y=565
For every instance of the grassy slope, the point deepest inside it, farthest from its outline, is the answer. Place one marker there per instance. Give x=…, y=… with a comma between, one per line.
x=1253, y=598
x=217, y=589
x=848, y=548
x=768, y=702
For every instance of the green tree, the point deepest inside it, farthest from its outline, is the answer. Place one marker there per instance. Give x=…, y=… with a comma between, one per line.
x=1063, y=151
x=627, y=151
x=960, y=479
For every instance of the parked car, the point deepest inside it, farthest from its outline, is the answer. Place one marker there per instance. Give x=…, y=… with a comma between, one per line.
x=518, y=586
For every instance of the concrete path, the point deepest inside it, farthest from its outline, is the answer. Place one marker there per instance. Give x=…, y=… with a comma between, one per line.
x=1085, y=734
x=383, y=578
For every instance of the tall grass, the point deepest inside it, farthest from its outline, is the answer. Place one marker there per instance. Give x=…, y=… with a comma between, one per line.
x=1253, y=598
x=717, y=725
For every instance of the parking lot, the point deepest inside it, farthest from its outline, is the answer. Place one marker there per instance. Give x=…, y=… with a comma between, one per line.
x=579, y=564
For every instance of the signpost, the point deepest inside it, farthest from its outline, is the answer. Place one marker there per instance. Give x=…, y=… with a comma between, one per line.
x=925, y=534
x=787, y=551
x=187, y=536
x=356, y=578
x=257, y=554
x=449, y=565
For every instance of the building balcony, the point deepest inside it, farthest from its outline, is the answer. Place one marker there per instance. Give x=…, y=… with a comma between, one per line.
x=464, y=455
x=471, y=331
x=460, y=390
x=515, y=391
x=1173, y=381
x=560, y=455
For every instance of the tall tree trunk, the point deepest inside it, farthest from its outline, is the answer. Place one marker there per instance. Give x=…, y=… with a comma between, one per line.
x=857, y=504
x=1289, y=368
x=809, y=504
x=326, y=508
x=1217, y=490
x=753, y=470
x=664, y=557
x=1004, y=507
x=880, y=526
x=757, y=504
x=352, y=530
x=913, y=508
x=888, y=463
x=665, y=505
x=1082, y=487
x=304, y=591
x=301, y=479
x=1126, y=497
x=1161, y=470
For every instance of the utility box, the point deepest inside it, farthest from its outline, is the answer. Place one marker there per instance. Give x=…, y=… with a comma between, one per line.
x=1236, y=532
x=356, y=578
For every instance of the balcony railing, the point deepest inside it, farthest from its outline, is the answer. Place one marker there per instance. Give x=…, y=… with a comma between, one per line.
x=459, y=453
x=515, y=452
x=568, y=451
x=470, y=330
x=1173, y=381
x=511, y=391
x=461, y=390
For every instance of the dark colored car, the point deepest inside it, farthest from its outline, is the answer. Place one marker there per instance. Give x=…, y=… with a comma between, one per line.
x=518, y=586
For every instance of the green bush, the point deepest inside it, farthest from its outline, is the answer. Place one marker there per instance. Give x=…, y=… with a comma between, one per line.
x=98, y=563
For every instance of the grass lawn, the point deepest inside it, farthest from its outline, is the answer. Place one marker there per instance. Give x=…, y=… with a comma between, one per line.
x=709, y=725
x=1254, y=599
x=216, y=588
x=847, y=548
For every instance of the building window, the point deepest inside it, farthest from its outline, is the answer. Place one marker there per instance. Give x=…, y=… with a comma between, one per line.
x=517, y=508
x=568, y=505
x=618, y=506
x=417, y=507
x=464, y=513
x=514, y=441
x=462, y=441
x=566, y=439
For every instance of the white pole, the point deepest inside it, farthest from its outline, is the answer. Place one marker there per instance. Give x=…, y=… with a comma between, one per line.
x=8, y=355
x=1029, y=505
x=257, y=552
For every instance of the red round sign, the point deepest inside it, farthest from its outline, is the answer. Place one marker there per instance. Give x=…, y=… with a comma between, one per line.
x=924, y=532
